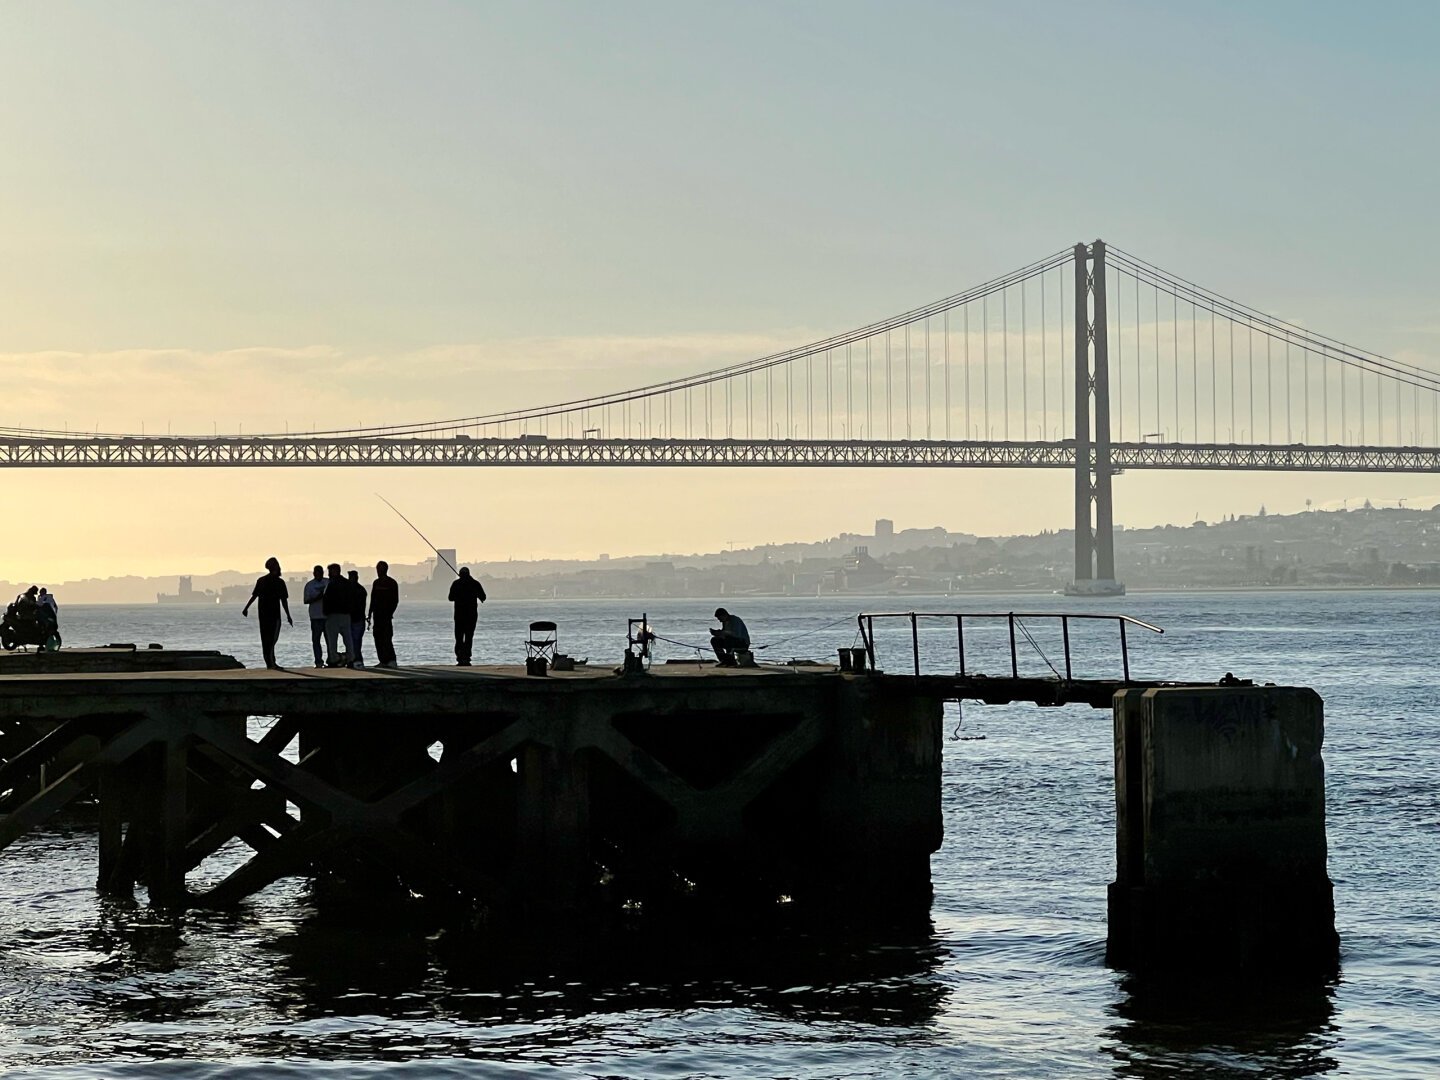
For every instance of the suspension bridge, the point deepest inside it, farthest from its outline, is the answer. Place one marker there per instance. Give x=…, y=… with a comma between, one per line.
x=1090, y=359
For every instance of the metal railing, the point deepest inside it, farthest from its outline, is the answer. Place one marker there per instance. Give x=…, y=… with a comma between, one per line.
x=866, y=622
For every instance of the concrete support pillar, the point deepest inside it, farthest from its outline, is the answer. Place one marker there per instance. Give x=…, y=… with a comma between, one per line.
x=165, y=856
x=880, y=797
x=110, y=797
x=552, y=842
x=1220, y=832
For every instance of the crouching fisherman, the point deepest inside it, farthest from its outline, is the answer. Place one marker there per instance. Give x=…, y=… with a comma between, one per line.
x=730, y=640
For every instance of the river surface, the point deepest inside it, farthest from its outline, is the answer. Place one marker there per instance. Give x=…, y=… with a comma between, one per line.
x=1006, y=979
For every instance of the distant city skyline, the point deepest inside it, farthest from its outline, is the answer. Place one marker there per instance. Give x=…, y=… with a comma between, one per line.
x=273, y=216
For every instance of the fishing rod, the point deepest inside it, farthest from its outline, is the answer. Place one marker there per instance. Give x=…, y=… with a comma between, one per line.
x=418, y=533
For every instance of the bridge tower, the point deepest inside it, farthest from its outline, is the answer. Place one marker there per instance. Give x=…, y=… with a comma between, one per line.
x=1094, y=512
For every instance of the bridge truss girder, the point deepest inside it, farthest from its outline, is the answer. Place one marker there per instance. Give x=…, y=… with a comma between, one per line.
x=302, y=452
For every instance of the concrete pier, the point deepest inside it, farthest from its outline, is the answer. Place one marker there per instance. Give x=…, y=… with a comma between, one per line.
x=1220, y=832
x=687, y=790
x=681, y=788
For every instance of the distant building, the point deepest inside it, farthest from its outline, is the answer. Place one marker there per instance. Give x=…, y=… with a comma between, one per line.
x=884, y=529
x=187, y=594
x=446, y=560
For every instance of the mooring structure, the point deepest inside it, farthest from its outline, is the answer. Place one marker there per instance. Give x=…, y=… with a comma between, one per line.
x=685, y=788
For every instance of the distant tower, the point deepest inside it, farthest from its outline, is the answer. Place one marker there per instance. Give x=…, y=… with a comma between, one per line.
x=884, y=529
x=187, y=586
x=444, y=563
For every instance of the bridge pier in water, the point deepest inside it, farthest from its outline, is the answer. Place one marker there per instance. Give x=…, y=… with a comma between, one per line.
x=1220, y=832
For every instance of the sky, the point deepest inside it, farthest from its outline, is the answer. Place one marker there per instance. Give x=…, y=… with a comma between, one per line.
x=271, y=215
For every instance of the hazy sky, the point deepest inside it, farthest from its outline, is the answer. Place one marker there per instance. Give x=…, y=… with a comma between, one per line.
x=258, y=214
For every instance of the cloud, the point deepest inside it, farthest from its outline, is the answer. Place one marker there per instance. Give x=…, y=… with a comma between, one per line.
x=275, y=388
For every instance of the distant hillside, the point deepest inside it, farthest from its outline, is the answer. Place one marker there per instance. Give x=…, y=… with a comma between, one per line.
x=1317, y=548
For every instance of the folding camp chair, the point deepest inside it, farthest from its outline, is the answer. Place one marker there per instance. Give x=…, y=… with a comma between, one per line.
x=540, y=648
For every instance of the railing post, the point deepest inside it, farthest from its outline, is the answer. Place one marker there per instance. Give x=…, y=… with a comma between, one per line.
x=1124, y=651
x=870, y=642
x=960, y=635
x=1014, y=661
x=1065, y=632
x=915, y=639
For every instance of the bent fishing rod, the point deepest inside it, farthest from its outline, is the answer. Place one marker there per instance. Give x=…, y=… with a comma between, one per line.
x=418, y=533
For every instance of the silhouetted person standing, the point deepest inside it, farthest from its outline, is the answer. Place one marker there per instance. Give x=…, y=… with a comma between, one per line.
x=384, y=599
x=467, y=595
x=336, y=604
x=274, y=596
x=315, y=602
x=357, y=619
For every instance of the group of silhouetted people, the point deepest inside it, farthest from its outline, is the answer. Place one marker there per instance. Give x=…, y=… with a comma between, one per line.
x=36, y=607
x=338, y=613
x=337, y=604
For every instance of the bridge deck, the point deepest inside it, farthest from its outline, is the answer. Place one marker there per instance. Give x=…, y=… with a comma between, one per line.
x=239, y=452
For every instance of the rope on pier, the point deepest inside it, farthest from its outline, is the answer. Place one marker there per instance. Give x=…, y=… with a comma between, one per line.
x=955, y=735
x=1036, y=646
x=807, y=633
x=760, y=648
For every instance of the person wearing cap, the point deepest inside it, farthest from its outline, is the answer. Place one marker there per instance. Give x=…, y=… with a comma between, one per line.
x=274, y=596
x=732, y=637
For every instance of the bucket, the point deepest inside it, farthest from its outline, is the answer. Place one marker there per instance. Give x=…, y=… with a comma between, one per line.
x=845, y=660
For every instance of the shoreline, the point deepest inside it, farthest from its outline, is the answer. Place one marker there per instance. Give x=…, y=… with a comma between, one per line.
x=1148, y=590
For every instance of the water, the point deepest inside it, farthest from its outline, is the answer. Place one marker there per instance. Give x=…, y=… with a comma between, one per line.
x=1007, y=979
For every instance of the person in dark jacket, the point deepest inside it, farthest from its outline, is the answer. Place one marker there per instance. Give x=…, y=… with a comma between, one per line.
x=384, y=599
x=730, y=639
x=357, y=619
x=466, y=594
x=274, y=596
x=336, y=604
